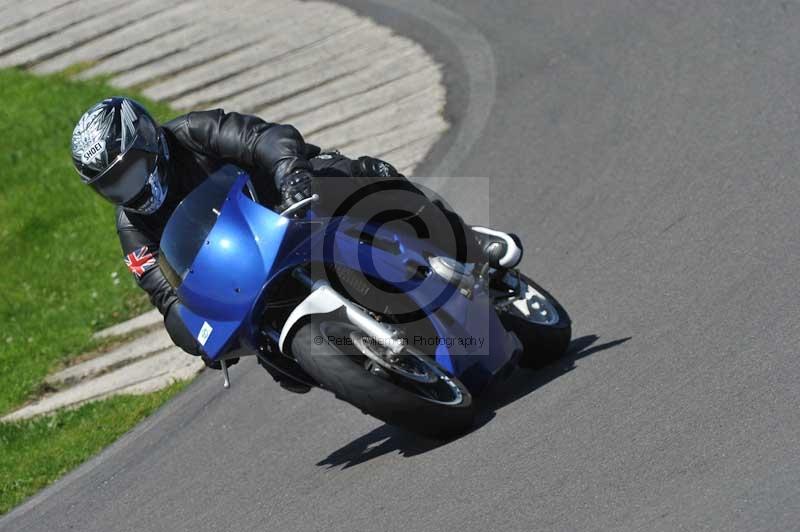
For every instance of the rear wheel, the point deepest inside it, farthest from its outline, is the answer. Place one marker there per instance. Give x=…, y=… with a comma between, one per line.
x=538, y=319
x=408, y=389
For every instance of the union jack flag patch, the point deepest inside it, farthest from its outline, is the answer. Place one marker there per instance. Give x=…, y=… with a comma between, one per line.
x=139, y=261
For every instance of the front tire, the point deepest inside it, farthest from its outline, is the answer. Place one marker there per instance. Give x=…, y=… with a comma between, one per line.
x=542, y=342
x=324, y=352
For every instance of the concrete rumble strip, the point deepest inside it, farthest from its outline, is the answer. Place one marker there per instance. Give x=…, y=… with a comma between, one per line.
x=346, y=82
x=326, y=71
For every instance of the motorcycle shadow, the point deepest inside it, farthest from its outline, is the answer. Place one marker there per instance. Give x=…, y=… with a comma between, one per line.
x=525, y=381
x=388, y=439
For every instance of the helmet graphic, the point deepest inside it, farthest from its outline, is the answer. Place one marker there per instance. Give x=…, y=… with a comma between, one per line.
x=118, y=150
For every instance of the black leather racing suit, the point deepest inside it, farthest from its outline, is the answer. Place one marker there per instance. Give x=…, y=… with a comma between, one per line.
x=200, y=143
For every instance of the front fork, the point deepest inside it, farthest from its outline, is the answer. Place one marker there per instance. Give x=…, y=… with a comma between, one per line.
x=324, y=299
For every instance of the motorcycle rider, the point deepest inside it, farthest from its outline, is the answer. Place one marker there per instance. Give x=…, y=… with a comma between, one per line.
x=146, y=170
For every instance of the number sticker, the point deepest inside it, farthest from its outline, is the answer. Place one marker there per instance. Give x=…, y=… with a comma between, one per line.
x=205, y=332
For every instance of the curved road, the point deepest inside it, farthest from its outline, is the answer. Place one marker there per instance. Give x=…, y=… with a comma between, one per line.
x=648, y=151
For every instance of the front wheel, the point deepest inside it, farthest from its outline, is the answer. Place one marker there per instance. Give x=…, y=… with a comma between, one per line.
x=408, y=390
x=538, y=319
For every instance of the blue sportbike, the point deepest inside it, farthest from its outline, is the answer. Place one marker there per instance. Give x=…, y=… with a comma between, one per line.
x=382, y=318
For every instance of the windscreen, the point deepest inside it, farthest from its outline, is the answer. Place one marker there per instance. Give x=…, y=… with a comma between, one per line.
x=191, y=223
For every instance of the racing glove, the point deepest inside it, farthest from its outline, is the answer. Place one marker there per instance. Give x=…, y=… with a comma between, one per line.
x=295, y=187
x=372, y=167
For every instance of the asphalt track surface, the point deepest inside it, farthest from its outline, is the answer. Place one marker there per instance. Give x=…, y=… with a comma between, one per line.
x=648, y=153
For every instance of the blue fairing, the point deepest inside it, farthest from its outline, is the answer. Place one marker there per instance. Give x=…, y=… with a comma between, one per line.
x=228, y=274
x=246, y=246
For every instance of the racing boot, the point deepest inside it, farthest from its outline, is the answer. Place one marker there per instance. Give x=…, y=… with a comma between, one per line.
x=285, y=381
x=500, y=250
x=291, y=385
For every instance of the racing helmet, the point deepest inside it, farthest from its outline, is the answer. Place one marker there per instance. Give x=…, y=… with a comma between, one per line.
x=119, y=151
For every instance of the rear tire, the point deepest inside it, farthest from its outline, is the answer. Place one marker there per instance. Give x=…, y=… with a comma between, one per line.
x=339, y=371
x=542, y=343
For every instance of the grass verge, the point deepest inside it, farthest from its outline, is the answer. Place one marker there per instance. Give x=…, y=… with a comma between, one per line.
x=63, y=279
x=37, y=452
x=66, y=277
